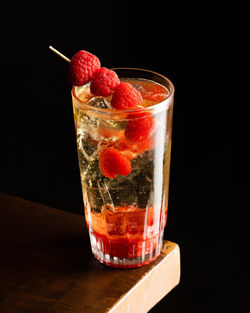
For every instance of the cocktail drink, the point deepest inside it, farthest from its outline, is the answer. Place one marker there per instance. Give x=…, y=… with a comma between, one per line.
x=123, y=122
x=124, y=160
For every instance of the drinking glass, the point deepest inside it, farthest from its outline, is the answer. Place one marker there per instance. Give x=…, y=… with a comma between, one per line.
x=126, y=215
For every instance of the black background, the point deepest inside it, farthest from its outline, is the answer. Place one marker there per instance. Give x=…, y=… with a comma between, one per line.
x=186, y=43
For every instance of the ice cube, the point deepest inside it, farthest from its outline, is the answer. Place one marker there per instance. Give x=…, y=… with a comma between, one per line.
x=94, y=198
x=105, y=195
x=115, y=223
x=118, y=192
x=87, y=125
x=135, y=221
x=143, y=187
x=90, y=173
x=143, y=178
x=86, y=147
x=99, y=102
x=139, y=87
x=87, y=122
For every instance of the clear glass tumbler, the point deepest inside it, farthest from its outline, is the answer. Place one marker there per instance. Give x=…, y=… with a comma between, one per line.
x=126, y=212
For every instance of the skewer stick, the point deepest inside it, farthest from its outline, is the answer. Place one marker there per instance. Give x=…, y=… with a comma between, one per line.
x=59, y=53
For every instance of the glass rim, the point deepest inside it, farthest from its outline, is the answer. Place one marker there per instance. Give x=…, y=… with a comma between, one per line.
x=154, y=107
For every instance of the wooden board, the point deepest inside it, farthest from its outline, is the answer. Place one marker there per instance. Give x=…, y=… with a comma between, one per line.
x=46, y=265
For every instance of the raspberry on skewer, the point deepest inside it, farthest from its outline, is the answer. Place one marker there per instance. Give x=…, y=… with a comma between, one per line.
x=82, y=66
x=104, y=82
x=125, y=97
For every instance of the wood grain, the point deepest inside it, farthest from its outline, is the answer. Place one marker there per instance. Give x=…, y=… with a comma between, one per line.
x=46, y=265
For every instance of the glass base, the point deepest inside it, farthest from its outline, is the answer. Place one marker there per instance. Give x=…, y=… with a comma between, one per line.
x=126, y=254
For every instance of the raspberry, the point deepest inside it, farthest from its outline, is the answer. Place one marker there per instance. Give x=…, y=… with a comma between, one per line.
x=104, y=82
x=82, y=68
x=139, y=126
x=112, y=163
x=126, y=96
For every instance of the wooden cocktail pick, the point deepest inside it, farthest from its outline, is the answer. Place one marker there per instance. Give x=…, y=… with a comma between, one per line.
x=59, y=53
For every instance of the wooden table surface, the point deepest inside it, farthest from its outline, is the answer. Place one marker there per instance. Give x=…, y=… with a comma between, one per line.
x=46, y=265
